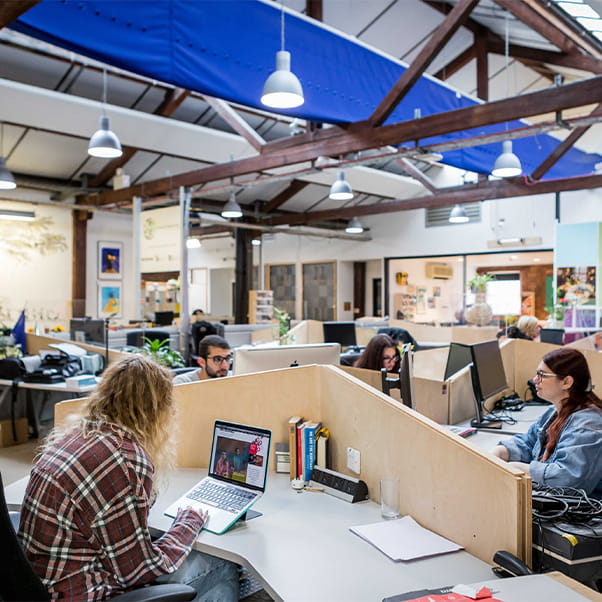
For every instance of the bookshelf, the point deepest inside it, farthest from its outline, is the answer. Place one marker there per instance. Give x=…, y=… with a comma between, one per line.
x=261, y=306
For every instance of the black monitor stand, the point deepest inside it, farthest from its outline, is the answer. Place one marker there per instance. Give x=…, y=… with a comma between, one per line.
x=482, y=421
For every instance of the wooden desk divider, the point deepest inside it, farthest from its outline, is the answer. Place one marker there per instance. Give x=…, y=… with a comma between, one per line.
x=447, y=485
x=35, y=343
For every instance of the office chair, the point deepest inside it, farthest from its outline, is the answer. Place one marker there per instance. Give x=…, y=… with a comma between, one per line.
x=19, y=582
x=199, y=330
x=399, y=335
x=135, y=338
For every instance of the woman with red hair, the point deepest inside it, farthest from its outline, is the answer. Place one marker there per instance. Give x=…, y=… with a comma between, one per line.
x=564, y=447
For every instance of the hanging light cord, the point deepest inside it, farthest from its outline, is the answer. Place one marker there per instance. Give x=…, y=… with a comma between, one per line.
x=104, y=91
x=2, y=139
x=281, y=24
x=507, y=53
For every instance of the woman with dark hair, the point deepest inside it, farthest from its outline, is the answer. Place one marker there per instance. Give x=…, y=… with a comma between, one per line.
x=380, y=352
x=564, y=447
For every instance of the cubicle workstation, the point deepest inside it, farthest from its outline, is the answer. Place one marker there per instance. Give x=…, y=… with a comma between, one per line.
x=448, y=486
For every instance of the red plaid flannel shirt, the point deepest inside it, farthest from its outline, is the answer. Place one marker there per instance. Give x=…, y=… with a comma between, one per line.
x=84, y=522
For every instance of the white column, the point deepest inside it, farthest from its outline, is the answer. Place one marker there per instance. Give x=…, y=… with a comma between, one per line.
x=184, y=309
x=136, y=274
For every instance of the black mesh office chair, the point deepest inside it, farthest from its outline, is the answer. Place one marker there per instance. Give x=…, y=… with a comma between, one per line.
x=135, y=338
x=19, y=583
x=399, y=335
x=199, y=330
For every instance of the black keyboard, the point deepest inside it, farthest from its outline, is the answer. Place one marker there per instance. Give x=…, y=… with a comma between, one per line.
x=224, y=497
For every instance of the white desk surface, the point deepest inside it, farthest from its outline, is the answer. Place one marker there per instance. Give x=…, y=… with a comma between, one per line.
x=50, y=387
x=301, y=547
x=524, y=419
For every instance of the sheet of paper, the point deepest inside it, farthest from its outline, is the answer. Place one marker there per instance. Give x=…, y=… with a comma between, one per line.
x=404, y=539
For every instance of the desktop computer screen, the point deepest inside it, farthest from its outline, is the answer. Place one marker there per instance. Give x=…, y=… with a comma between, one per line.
x=164, y=318
x=488, y=377
x=87, y=330
x=342, y=333
x=552, y=335
x=460, y=355
x=406, y=378
x=260, y=359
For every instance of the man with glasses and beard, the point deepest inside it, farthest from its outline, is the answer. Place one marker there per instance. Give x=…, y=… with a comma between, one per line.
x=214, y=360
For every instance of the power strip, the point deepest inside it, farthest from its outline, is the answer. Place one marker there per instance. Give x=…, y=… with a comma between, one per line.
x=340, y=485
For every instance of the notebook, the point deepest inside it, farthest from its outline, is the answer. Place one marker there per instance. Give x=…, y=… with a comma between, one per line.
x=238, y=470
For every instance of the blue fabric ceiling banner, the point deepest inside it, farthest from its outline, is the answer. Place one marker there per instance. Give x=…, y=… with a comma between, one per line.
x=226, y=48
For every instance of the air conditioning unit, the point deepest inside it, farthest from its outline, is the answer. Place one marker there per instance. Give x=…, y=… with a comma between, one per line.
x=441, y=271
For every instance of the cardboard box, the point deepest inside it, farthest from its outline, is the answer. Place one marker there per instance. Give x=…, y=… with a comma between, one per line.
x=6, y=432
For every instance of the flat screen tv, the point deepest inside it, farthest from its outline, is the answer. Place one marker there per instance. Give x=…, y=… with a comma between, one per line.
x=260, y=359
x=342, y=333
x=164, y=318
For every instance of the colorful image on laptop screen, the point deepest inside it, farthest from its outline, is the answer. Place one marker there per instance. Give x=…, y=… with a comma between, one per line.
x=240, y=454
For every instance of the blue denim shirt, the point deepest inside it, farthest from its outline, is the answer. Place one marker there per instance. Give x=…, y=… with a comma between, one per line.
x=577, y=459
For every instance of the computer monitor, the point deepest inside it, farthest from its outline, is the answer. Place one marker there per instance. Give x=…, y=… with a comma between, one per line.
x=488, y=379
x=405, y=381
x=342, y=333
x=260, y=359
x=87, y=330
x=552, y=335
x=164, y=318
x=459, y=356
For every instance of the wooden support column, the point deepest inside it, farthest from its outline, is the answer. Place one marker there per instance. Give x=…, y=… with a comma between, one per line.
x=80, y=219
x=243, y=271
x=359, y=289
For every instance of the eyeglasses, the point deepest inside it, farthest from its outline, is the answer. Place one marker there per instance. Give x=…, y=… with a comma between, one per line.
x=389, y=358
x=218, y=359
x=541, y=374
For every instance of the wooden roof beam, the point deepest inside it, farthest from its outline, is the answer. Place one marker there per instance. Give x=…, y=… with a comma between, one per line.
x=305, y=147
x=417, y=174
x=467, y=193
x=291, y=190
x=235, y=121
x=11, y=11
x=411, y=75
x=562, y=148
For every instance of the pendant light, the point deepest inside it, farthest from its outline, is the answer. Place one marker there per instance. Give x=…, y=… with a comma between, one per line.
x=104, y=143
x=507, y=165
x=232, y=208
x=458, y=215
x=340, y=189
x=282, y=89
x=354, y=226
x=7, y=180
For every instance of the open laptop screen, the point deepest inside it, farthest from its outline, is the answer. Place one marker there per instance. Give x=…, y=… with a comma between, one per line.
x=239, y=454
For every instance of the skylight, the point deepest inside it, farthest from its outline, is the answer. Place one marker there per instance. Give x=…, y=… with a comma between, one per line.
x=584, y=14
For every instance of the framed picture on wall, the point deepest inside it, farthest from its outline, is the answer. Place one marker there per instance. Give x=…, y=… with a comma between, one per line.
x=109, y=300
x=109, y=260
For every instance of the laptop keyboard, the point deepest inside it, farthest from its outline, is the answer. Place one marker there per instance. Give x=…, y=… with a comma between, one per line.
x=231, y=499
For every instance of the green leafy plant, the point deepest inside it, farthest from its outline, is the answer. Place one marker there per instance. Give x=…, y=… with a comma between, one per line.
x=479, y=282
x=162, y=353
x=284, y=325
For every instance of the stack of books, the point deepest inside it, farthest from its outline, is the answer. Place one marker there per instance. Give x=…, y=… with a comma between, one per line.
x=308, y=441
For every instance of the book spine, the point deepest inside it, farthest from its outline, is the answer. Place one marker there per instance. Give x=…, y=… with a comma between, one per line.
x=321, y=450
x=300, y=450
x=310, y=449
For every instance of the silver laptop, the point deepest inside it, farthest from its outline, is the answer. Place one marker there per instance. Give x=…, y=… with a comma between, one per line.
x=238, y=470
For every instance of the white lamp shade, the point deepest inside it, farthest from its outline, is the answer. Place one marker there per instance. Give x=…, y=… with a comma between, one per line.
x=256, y=242
x=507, y=164
x=193, y=243
x=458, y=215
x=7, y=180
x=340, y=190
x=282, y=89
x=354, y=226
x=232, y=208
x=104, y=143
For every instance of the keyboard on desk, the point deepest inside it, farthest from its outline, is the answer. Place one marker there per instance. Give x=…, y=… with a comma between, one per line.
x=224, y=497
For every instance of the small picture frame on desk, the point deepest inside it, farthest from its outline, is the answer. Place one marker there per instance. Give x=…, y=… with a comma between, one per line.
x=109, y=300
x=109, y=260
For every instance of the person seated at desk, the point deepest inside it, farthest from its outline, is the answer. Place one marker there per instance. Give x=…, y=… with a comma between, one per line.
x=527, y=327
x=84, y=520
x=214, y=361
x=380, y=352
x=564, y=447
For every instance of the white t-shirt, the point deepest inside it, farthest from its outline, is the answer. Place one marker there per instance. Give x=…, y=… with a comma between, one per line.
x=186, y=377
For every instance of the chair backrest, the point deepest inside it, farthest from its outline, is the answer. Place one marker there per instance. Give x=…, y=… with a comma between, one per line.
x=135, y=338
x=18, y=582
x=200, y=330
x=399, y=335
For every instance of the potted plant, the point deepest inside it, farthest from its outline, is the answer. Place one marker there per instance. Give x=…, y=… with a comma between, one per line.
x=284, y=325
x=480, y=313
x=162, y=353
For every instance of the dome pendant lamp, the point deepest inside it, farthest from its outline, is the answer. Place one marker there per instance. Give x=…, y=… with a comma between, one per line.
x=354, y=226
x=232, y=208
x=458, y=215
x=104, y=143
x=282, y=89
x=340, y=189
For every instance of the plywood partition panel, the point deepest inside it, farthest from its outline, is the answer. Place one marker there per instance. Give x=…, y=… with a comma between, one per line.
x=265, y=335
x=592, y=343
x=461, y=397
x=363, y=335
x=307, y=331
x=447, y=485
x=36, y=343
x=430, y=363
x=424, y=332
x=527, y=355
x=473, y=334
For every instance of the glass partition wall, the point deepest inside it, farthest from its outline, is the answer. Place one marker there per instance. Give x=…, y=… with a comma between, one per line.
x=436, y=289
